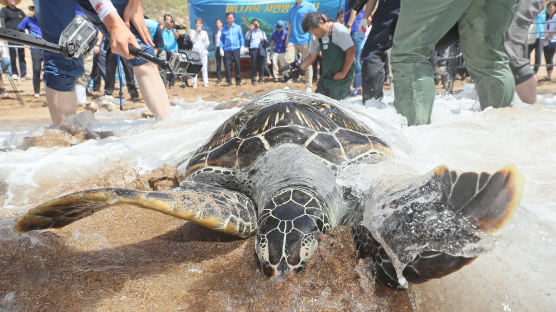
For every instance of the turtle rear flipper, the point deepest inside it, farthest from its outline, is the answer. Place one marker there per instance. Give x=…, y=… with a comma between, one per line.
x=484, y=200
x=215, y=208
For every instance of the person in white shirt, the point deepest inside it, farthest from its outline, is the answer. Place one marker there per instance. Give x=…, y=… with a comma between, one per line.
x=200, y=44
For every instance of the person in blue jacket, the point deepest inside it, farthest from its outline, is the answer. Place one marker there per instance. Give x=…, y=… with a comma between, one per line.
x=31, y=24
x=231, y=42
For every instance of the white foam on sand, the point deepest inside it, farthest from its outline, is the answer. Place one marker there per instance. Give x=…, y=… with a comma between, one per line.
x=517, y=274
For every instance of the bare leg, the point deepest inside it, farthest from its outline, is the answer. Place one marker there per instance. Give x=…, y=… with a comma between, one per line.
x=527, y=90
x=60, y=104
x=152, y=89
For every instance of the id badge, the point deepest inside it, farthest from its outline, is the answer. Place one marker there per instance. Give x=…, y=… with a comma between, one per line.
x=325, y=46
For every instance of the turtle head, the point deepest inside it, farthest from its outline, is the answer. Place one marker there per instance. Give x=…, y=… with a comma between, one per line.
x=288, y=229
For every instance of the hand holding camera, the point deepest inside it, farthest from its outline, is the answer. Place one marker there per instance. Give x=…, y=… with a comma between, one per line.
x=295, y=69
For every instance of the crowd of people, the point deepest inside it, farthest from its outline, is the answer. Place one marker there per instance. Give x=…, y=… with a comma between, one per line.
x=496, y=38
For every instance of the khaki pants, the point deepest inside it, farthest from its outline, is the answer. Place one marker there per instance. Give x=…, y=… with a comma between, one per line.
x=291, y=51
x=278, y=57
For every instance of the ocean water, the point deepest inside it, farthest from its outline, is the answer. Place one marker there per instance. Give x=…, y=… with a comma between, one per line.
x=517, y=275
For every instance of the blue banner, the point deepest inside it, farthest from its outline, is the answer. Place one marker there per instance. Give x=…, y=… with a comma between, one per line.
x=268, y=12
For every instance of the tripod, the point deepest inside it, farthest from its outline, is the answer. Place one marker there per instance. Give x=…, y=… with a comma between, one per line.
x=3, y=65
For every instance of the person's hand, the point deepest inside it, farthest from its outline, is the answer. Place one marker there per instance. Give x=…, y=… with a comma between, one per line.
x=120, y=35
x=369, y=20
x=133, y=13
x=96, y=49
x=547, y=37
x=339, y=75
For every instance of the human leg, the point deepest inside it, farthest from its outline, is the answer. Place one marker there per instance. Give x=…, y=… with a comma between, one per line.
x=549, y=59
x=129, y=79
x=151, y=85
x=290, y=57
x=218, y=66
x=22, y=63
x=60, y=73
x=261, y=64
x=237, y=66
x=482, y=30
x=357, y=38
x=414, y=41
x=204, y=69
x=228, y=65
x=111, y=64
x=253, y=53
x=275, y=67
x=13, y=58
x=36, y=59
x=304, y=50
x=374, y=62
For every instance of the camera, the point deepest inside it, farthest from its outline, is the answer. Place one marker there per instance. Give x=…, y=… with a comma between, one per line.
x=185, y=63
x=295, y=69
x=177, y=27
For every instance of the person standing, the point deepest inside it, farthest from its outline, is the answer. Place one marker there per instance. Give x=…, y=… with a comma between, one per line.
x=550, y=39
x=60, y=73
x=10, y=17
x=216, y=39
x=379, y=40
x=257, y=44
x=540, y=23
x=231, y=42
x=333, y=41
x=31, y=24
x=297, y=41
x=170, y=37
x=482, y=25
x=352, y=20
x=4, y=68
x=156, y=34
x=200, y=44
x=278, y=48
x=516, y=47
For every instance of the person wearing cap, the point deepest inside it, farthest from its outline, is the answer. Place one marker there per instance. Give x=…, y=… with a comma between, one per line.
x=110, y=17
x=10, y=17
x=334, y=42
x=297, y=40
x=31, y=24
x=278, y=48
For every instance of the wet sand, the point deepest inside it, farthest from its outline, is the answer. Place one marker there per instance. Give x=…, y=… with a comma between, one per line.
x=129, y=259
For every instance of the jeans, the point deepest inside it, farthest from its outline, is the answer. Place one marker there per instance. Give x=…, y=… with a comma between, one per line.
x=60, y=73
x=357, y=38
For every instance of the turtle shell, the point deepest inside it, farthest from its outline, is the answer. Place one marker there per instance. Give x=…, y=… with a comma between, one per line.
x=280, y=117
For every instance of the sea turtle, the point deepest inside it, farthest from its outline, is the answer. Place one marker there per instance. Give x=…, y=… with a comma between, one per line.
x=271, y=170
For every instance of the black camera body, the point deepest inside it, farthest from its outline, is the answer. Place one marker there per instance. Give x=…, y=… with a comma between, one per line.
x=185, y=63
x=177, y=27
x=295, y=69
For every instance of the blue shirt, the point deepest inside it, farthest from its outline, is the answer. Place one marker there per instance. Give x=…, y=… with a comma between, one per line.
x=231, y=38
x=156, y=33
x=298, y=37
x=31, y=23
x=170, y=41
x=540, y=22
x=279, y=41
x=255, y=38
x=358, y=18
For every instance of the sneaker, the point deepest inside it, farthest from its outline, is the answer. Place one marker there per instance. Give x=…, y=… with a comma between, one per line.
x=26, y=77
x=276, y=79
x=37, y=95
x=14, y=77
x=254, y=83
x=309, y=89
x=229, y=84
x=286, y=88
x=206, y=85
x=238, y=83
x=218, y=80
x=195, y=86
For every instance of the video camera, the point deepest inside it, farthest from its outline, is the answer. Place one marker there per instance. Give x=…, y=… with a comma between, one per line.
x=80, y=36
x=295, y=69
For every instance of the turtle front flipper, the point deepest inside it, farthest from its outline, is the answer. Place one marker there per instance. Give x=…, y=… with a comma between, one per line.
x=214, y=208
x=434, y=227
